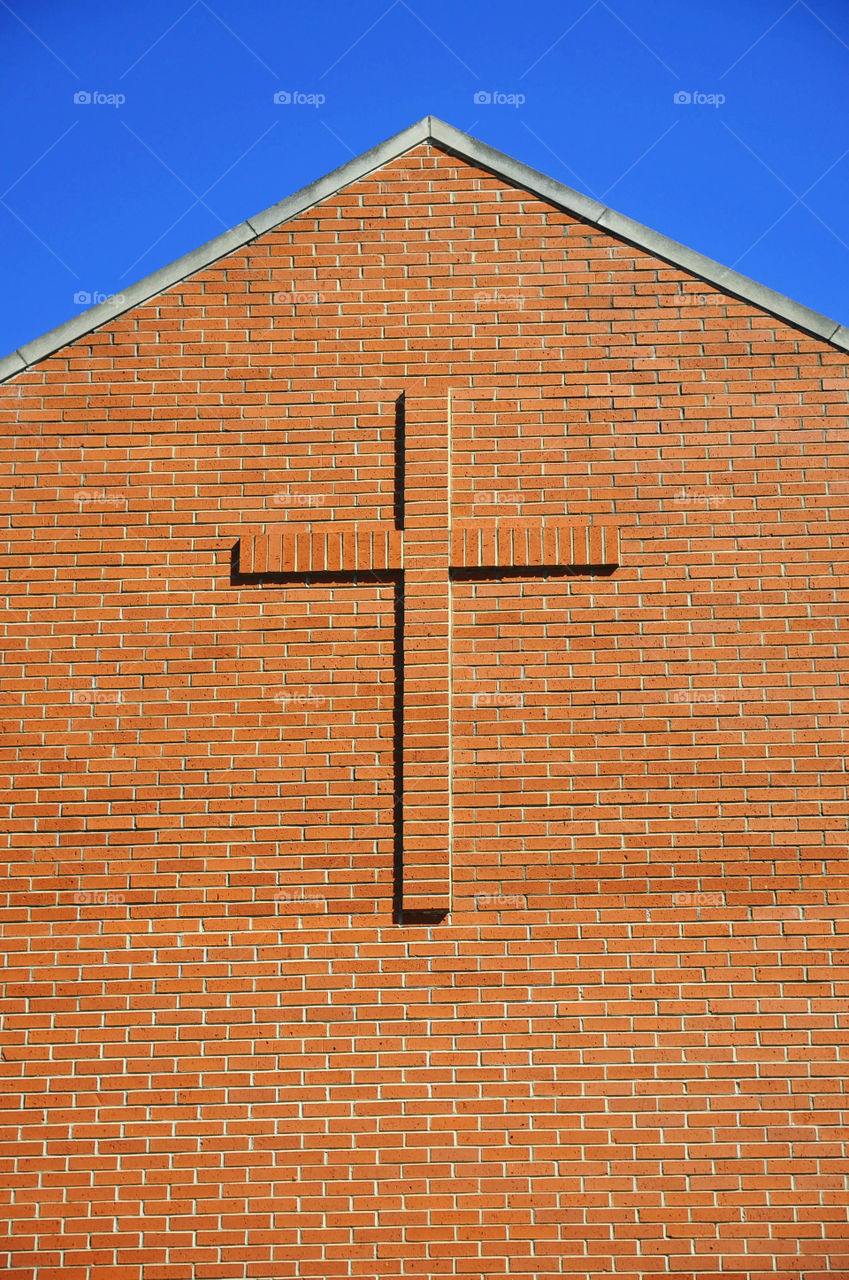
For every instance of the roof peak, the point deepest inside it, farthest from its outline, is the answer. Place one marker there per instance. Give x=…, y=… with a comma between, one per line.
x=431, y=129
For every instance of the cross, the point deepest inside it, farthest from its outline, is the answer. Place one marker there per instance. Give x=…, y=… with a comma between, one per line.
x=420, y=552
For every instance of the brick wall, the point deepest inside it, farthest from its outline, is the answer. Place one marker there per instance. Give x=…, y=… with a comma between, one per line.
x=622, y=1052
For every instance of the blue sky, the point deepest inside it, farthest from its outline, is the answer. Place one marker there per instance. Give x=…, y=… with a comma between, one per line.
x=723, y=125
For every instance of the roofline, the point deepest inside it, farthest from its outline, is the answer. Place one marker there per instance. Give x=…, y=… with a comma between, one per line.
x=430, y=129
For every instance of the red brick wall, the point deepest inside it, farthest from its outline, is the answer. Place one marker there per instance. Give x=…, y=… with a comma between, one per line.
x=622, y=1054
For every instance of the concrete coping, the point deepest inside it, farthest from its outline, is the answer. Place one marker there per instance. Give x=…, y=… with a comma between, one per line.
x=452, y=140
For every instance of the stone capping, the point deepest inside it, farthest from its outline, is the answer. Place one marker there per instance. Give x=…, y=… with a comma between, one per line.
x=453, y=141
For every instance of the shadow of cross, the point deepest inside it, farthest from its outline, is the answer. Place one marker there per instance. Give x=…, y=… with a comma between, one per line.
x=420, y=553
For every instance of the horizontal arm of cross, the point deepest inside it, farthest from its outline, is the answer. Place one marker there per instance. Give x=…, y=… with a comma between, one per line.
x=551, y=542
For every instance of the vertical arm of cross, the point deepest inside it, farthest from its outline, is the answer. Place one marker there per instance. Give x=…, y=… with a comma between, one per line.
x=424, y=548
x=427, y=656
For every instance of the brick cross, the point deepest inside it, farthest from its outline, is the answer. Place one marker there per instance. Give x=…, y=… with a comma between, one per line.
x=422, y=551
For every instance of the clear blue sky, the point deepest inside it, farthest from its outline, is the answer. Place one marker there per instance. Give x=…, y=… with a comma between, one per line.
x=97, y=194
